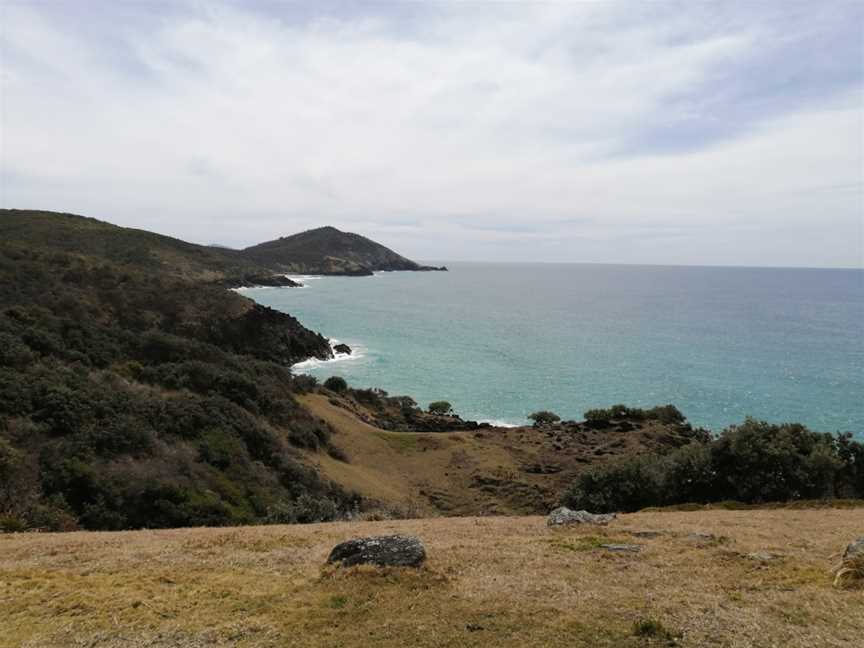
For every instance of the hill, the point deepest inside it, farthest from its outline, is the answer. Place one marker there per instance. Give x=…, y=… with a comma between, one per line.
x=326, y=250
x=704, y=578
x=135, y=390
x=147, y=251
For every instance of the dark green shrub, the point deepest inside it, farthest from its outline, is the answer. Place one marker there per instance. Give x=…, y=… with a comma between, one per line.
x=440, y=407
x=751, y=463
x=544, y=417
x=13, y=352
x=12, y=524
x=668, y=414
x=304, y=383
x=336, y=384
x=370, y=397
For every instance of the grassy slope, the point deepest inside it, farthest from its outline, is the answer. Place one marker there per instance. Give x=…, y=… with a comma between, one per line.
x=483, y=472
x=488, y=581
x=104, y=241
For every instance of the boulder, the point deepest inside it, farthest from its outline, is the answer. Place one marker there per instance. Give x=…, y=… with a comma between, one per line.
x=563, y=515
x=855, y=550
x=385, y=551
x=342, y=348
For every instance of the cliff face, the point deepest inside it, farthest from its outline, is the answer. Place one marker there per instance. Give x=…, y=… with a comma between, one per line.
x=327, y=250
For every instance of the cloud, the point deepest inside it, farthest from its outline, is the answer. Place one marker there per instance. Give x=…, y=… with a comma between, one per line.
x=655, y=132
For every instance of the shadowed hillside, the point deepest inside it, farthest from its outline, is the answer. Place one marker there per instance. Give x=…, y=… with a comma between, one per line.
x=132, y=394
x=326, y=250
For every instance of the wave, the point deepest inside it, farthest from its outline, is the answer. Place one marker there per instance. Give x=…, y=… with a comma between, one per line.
x=499, y=423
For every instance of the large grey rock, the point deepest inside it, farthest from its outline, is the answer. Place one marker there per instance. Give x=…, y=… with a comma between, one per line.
x=385, y=551
x=563, y=515
x=855, y=550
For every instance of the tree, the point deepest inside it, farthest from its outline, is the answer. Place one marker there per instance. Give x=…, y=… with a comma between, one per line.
x=336, y=384
x=544, y=417
x=442, y=408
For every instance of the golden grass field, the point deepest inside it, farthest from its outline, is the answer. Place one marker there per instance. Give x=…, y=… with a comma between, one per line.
x=493, y=581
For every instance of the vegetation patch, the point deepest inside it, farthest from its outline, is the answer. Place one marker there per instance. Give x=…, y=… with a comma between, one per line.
x=753, y=463
x=583, y=542
x=650, y=628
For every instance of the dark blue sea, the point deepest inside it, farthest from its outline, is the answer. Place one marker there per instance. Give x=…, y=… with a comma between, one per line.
x=500, y=341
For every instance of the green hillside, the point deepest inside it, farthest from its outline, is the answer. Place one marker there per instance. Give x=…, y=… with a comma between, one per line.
x=132, y=394
x=326, y=250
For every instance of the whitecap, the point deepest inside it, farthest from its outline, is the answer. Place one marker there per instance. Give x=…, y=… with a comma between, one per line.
x=499, y=423
x=358, y=352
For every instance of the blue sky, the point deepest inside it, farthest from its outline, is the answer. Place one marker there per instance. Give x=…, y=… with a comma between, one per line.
x=640, y=132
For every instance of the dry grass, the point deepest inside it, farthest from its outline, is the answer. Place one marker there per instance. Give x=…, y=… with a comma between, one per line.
x=488, y=582
x=850, y=573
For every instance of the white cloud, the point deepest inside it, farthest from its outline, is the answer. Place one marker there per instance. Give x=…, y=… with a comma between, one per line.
x=527, y=133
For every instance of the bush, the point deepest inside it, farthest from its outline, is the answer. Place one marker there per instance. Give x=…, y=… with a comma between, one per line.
x=370, y=397
x=544, y=417
x=336, y=384
x=440, y=408
x=755, y=462
x=668, y=414
x=304, y=383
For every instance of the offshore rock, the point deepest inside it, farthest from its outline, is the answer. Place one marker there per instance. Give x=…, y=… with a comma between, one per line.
x=342, y=348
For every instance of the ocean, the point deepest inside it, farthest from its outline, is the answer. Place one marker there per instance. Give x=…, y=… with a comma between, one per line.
x=500, y=341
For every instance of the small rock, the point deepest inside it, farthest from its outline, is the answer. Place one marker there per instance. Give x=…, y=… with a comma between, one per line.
x=563, y=515
x=622, y=547
x=646, y=534
x=854, y=550
x=385, y=551
x=762, y=556
x=342, y=348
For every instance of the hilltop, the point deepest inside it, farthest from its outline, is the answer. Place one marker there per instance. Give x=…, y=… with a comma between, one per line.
x=747, y=579
x=326, y=250
x=146, y=251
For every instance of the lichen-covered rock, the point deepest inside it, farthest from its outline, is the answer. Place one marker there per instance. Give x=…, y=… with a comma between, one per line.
x=385, y=551
x=850, y=572
x=855, y=549
x=562, y=515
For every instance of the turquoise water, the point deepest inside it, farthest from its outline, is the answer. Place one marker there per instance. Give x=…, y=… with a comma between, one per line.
x=502, y=340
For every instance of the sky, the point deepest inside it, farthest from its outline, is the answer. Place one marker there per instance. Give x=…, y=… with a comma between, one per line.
x=727, y=133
